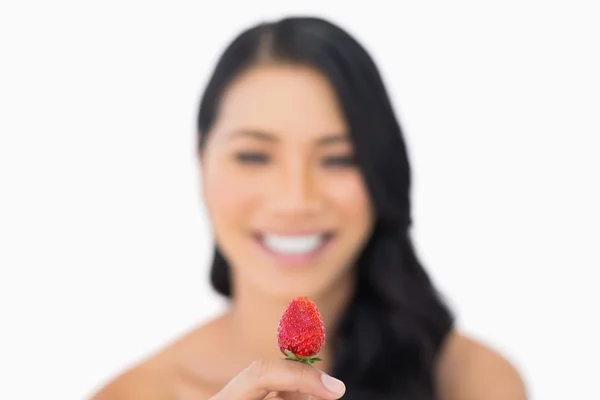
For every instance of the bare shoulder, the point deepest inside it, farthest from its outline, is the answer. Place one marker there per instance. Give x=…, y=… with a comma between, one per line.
x=172, y=373
x=145, y=381
x=469, y=369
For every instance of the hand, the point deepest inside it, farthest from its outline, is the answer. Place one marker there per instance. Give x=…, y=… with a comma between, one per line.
x=281, y=379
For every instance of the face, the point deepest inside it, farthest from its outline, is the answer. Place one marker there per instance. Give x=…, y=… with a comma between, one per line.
x=288, y=206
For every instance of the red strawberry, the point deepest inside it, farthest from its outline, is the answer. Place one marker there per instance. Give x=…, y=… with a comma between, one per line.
x=301, y=333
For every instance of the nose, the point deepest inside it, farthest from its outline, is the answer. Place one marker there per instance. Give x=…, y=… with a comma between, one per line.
x=295, y=191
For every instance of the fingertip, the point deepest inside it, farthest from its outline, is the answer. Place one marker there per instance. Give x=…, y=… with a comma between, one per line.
x=332, y=384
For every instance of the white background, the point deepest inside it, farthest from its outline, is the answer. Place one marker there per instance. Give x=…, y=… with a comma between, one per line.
x=104, y=245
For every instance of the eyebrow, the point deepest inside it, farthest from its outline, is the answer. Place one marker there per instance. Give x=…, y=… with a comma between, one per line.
x=253, y=133
x=269, y=137
x=333, y=139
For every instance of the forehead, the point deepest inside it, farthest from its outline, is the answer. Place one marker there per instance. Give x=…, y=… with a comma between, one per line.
x=286, y=99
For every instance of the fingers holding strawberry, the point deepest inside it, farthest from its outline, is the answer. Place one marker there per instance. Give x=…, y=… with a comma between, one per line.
x=300, y=337
x=263, y=377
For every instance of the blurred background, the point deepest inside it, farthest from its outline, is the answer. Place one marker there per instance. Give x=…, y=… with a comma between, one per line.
x=104, y=244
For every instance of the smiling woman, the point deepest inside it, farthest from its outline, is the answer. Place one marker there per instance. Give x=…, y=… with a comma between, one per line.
x=288, y=204
x=307, y=185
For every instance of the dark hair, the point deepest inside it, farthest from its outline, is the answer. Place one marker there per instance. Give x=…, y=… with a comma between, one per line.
x=388, y=340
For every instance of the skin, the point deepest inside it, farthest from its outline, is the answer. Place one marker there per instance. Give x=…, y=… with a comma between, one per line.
x=279, y=160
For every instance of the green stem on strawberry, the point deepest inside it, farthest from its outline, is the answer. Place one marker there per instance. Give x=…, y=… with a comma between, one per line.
x=310, y=360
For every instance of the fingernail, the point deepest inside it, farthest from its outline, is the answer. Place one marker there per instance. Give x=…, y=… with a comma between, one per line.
x=333, y=385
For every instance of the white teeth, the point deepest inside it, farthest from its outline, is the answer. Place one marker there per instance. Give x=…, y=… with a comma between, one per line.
x=293, y=245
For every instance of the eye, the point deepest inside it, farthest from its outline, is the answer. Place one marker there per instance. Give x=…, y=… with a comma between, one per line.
x=340, y=161
x=251, y=158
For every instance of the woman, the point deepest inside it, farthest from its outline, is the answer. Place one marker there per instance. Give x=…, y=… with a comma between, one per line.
x=307, y=184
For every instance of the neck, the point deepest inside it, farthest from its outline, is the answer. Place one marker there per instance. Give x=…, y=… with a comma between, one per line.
x=254, y=317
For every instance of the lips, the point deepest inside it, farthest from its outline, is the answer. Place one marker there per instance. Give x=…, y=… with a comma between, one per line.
x=294, y=245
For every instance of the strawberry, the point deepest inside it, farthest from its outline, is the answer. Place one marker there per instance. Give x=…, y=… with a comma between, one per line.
x=301, y=333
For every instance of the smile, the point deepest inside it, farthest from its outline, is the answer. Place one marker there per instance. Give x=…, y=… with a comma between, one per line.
x=294, y=248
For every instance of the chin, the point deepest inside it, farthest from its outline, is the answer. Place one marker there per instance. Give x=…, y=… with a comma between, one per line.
x=310, y=286
x=288, y=293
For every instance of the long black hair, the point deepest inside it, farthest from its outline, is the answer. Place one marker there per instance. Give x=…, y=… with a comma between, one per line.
x=388, y=340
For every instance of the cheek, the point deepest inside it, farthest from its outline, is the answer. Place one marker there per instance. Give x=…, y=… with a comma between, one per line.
x=350, y=197
x=228, y=196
